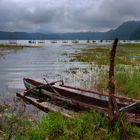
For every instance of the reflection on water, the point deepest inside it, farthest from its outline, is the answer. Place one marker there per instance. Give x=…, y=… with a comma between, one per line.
x=36, y=63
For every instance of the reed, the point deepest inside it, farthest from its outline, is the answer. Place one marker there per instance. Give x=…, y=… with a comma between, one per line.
x=128, y=81
x=127, y=71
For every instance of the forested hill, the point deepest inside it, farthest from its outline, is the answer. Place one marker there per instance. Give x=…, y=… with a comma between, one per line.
x=127, y=30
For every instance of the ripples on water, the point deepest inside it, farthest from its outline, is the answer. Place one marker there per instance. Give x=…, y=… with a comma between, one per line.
x=36, y=63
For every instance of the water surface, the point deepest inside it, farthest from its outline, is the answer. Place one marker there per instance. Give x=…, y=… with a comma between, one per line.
x=48, y=61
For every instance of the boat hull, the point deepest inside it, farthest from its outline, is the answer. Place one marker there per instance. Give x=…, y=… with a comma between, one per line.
x=78, y=99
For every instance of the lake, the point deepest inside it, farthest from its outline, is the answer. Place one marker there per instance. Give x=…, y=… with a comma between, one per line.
x=51, y=61
x=48, y=61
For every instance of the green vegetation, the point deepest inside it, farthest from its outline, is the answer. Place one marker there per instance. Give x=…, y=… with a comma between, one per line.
x=128, y=81
x=87, y=125
x=11, y=122
x=126, y=54
x=127, y=70
x=96, y=55
x=54, y=126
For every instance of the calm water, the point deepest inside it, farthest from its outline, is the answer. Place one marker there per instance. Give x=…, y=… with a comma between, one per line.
x=48, y=61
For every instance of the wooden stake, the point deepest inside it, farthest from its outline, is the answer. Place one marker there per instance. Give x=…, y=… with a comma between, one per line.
x=113, y=107
x=112, y=102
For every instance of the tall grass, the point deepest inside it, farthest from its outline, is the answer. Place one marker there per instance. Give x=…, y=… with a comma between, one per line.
x=56, y=127
x=127, y=73
x=128, y=81
x=84, y=127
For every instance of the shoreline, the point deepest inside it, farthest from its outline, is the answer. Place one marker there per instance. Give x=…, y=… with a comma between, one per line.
x=18, y=46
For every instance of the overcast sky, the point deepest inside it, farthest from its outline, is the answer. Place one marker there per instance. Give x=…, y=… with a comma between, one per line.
x=66, y=15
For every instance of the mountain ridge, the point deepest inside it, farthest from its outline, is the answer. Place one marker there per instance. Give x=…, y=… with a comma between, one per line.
x=127, y=30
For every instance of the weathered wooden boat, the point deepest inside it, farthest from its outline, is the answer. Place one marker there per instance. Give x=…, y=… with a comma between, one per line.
x=45, y=105
x=77, y=99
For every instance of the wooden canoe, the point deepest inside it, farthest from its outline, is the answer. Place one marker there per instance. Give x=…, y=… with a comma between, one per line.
x=82, y=99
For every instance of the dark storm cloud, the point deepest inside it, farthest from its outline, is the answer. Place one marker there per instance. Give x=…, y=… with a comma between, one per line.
x=66, y=15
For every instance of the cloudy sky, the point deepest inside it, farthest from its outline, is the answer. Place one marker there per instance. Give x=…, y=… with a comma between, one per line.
x=66, y=15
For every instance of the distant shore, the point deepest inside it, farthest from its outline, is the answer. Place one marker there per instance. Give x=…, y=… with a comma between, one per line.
x=17, y=46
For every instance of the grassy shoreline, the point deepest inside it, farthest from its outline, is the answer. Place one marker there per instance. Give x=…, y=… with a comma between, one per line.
x=127, y=54
x=54, y=126
x=127, y=70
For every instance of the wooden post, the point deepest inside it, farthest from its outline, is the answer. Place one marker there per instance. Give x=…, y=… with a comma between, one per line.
x=112, y=101
x=113, y=107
